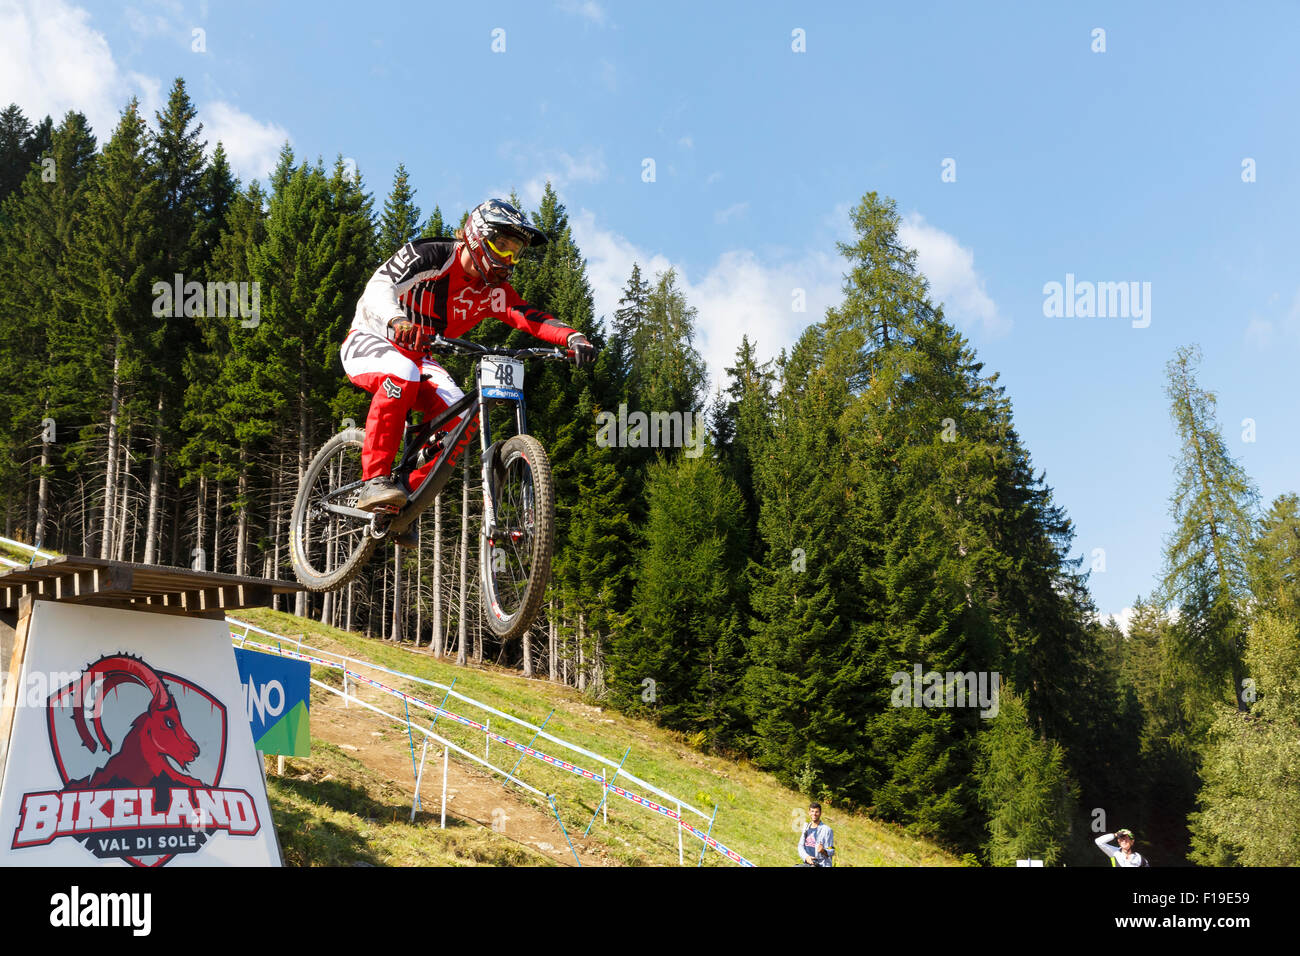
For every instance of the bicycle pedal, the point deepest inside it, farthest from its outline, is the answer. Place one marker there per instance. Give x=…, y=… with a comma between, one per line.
x=387, y=509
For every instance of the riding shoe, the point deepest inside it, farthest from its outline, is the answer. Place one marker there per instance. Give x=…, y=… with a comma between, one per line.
x=381, y=492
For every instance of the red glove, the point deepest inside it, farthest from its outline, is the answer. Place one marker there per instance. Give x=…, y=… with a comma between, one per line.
x=406, y=334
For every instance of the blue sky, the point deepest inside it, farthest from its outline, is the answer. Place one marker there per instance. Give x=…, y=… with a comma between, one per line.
x=1115, y=166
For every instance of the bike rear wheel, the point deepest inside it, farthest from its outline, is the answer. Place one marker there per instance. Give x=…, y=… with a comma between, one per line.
x=515, y=563
x=328, y=549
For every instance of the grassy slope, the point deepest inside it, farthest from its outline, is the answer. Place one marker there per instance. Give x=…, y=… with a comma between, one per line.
x=323, y=820
x=18, y=554
x=331, y=811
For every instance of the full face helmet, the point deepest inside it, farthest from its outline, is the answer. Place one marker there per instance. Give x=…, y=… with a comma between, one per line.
x=496, y=234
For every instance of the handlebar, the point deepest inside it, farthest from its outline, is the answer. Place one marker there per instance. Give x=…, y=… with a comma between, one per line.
x=466, y=347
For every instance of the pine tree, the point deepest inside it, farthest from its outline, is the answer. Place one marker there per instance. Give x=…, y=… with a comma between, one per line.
x=317, y=253
x=20, y=146
x=1164, y=777
x=37, y=379
x=117, y=261
x=802, y=730
x=230, y=404
x=1250, y=801
x=1213, y=506
x=195, y=198
x=686, y=639
x=177, y=153
x=1025, y=789
x=625, y=332
x=742, y=425
x=669, y=373
x=401, y=219
x=15, y=133
x=1274, y=562
x=924, y=538
x=434, y=227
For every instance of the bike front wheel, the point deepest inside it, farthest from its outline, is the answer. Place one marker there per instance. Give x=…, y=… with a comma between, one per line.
x=515, y=561
x=328, y=549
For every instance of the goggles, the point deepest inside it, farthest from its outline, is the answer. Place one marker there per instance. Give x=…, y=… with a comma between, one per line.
x=506, y=247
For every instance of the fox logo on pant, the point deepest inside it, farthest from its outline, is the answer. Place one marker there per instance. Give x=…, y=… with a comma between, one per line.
x=156, y=794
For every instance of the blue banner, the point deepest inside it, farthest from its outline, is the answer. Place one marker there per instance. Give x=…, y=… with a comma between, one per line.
x=277, y=694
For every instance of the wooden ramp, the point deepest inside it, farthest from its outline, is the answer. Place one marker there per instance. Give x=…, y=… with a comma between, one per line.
x=141, y=587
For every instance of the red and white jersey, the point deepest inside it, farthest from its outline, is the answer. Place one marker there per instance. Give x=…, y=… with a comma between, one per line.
x=424, y=282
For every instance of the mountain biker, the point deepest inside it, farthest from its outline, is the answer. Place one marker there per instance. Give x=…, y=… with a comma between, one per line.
x=1123, y=854
x=442, y=286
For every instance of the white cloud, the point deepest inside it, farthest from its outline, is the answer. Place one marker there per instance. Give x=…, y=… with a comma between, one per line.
x=145, y=24
x=1291, y=321
x=713, y=178
x=686, y=142
x=731, y=212
x=745, y=293
x=149, y=90
x=1122, y=618
x=161, y=17
x=587, y=9
x=1261, y=332
x=741, y=294
x=609, y=260
x=253, y=147
x=562, y=170
x=738, y=295
x=950, y=269
x=52, y=61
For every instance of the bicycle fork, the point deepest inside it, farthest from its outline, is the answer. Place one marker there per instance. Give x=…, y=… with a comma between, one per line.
x=490, y=453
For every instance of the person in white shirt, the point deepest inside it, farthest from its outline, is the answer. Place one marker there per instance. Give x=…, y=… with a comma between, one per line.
x=1123, y=854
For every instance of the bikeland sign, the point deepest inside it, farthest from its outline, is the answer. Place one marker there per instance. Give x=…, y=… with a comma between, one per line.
x=135, y=761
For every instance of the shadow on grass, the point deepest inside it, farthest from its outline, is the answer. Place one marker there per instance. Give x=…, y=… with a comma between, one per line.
x=309, y=840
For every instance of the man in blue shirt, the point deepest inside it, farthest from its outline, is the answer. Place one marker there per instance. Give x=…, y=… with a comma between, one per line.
x=817, y=842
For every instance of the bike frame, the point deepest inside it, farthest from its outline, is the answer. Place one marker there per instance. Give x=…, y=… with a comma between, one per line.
x=475, y=405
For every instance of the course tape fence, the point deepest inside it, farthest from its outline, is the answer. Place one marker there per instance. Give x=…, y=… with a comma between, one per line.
x=451, y=692
x=22, y=546
x=312, y=656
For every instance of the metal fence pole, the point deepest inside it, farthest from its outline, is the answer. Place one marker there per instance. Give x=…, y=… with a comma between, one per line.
x=424, y=749
x=705, y=845
x=604, y=793
x=511, y=775
x=681, y=859
x=443, y=824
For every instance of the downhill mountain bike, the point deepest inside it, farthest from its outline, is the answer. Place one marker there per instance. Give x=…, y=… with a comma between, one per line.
x=331, y=539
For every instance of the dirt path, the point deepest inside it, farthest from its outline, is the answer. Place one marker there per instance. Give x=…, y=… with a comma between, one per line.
x=472, y=794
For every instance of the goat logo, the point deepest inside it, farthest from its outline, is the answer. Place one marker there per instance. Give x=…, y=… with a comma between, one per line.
x=156, y=749
x=140, y=754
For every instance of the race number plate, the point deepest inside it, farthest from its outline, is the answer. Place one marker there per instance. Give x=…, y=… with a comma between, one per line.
x=501, y=378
